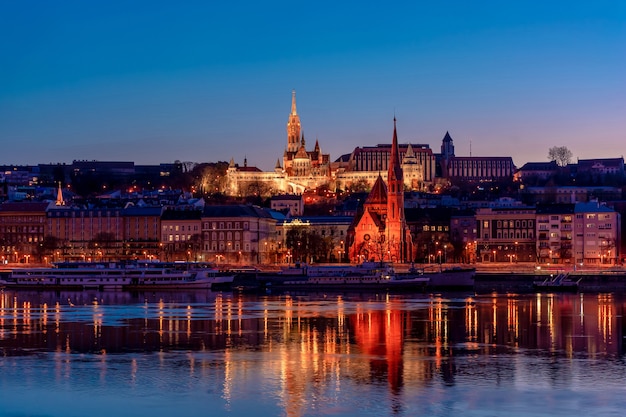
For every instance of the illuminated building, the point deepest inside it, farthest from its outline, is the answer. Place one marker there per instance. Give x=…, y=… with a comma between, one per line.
x=304, y=169
x=236, y=234
x=379, y=231
x=473, y=168
x=506, y=235
x=596, y=236
x=301, y=169
x=22, y=230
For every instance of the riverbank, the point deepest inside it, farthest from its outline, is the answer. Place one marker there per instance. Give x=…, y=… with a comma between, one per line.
x=522, y=278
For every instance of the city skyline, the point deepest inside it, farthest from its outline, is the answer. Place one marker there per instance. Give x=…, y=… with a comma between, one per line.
x=152, y=82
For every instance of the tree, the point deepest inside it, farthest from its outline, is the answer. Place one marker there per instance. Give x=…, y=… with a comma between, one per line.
x=194, y=245
x=560, y=154
x=102, y=244
x=360, y=185
x=210, y=178
x=47, y=247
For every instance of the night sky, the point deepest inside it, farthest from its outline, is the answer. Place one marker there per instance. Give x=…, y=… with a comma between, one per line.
x=158, y=81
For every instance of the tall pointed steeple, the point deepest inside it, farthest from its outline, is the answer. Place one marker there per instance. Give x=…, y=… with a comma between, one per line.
x=59, y=201
x=293, y=126
x=396, y=228
x=293, y=103
x=395, y=170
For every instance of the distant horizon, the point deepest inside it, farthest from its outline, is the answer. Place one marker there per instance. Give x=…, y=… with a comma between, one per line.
x=435, y=150
x=157, y=82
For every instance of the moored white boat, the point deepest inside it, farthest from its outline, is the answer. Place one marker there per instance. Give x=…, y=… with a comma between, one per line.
x=115, y=276
x=372, y=276
x=360, y=279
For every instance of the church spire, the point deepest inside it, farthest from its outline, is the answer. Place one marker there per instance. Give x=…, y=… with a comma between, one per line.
x=395, y=170
x=60, y=201
x=396, y=227
x=293, y=126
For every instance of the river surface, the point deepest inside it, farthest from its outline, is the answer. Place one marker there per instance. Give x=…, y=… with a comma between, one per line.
x=212, y=354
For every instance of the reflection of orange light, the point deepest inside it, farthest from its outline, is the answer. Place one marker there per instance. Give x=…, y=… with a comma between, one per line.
x=380, y=334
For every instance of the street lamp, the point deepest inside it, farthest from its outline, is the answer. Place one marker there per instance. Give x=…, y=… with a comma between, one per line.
x=494, y=255
x=341, y=251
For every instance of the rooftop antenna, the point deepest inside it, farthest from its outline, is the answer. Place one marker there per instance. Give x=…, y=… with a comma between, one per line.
x=470, y=148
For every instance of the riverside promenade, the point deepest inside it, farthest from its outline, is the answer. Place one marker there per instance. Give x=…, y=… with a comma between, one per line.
x=500, y=277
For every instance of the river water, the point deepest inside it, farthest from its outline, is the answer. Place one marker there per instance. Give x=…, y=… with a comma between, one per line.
x=212, y=354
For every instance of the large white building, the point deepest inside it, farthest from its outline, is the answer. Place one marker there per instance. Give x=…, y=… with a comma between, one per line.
x=300, y=170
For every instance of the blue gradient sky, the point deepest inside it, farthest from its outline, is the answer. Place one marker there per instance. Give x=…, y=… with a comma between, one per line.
x=156, y=81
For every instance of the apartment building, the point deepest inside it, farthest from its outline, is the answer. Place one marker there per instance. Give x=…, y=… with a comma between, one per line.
x=596, y=234
x=506, y=234
x=236, y=234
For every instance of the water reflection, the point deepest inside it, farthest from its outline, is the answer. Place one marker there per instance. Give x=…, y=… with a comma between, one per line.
x=308, y=354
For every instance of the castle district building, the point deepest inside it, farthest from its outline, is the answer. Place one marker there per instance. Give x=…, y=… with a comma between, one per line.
x=473, y=168
x=366, y=163
x=302, y=169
